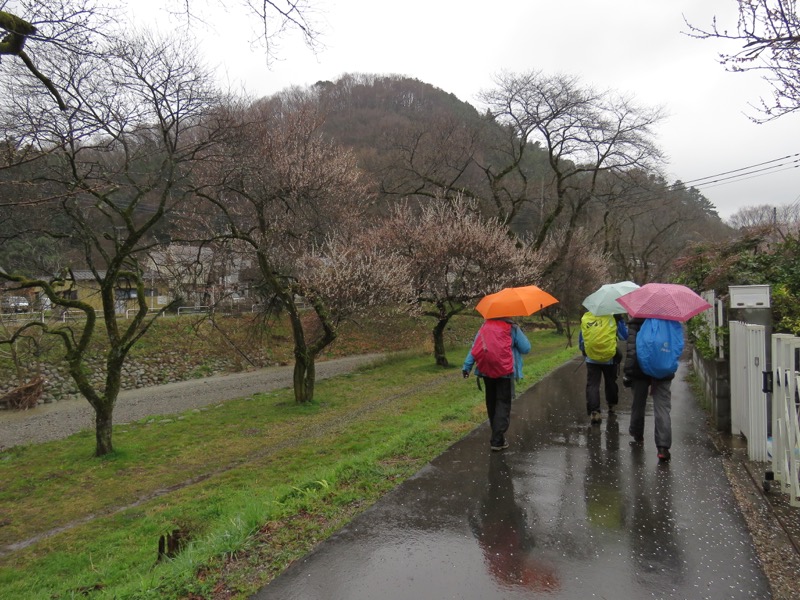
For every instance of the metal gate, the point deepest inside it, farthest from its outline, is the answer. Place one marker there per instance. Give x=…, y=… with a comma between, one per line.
x=748, y=399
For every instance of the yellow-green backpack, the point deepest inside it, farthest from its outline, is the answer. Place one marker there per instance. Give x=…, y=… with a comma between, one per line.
x=599, y=336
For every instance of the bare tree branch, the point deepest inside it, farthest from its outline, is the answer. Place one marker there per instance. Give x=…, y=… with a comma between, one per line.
x=585, y=133
x=769, y=34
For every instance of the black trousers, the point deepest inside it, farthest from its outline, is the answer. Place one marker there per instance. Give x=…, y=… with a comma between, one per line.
x=608, y=373
x=498, y=406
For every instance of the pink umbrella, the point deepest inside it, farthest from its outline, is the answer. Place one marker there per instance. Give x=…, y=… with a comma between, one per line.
x=669, y=301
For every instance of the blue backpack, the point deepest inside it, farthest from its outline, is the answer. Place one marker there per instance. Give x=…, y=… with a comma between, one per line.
x=659, y=344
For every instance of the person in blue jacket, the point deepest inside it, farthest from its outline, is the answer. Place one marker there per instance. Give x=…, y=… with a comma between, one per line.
x=642, y=385
x=500, y=390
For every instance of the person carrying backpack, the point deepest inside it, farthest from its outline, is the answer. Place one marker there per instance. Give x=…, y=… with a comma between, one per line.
x=598, y=343
x=496, y=355
x=651, y=359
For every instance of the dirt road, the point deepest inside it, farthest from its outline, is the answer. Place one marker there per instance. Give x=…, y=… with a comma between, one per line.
x=55, y=421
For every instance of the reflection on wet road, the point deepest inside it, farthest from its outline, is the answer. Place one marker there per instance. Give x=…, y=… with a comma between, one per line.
x=568, y=511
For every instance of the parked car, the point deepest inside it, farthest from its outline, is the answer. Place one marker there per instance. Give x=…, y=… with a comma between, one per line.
x=15, y=304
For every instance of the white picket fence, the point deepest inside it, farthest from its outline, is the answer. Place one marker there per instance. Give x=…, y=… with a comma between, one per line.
x=749, y=401
x=785, y=429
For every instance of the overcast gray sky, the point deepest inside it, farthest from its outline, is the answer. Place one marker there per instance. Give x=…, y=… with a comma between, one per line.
x=637, y=47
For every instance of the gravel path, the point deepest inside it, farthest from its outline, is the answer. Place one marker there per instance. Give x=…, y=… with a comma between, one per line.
x=58, y=420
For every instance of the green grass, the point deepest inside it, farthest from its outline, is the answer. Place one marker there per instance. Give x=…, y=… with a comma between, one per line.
x=252, y=484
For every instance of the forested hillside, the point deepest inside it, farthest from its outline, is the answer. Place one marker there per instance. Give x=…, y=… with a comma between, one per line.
x=418, y=141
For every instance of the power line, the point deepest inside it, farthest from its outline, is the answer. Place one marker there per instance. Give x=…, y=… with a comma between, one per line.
x=726, y=177
x=744, y=173
x=750, y=175
x=743, y=168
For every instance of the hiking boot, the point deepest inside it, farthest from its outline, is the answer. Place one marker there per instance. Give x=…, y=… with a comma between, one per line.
x=663, y=454
x=596, y=418
x=502, y=446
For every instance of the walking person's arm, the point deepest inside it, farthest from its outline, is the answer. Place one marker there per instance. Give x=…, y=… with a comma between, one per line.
x=469, y=362
x=622, y=329
x=519, y=340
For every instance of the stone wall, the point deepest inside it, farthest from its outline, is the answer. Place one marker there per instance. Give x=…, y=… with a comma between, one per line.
x=137, y=373
x=714, y=377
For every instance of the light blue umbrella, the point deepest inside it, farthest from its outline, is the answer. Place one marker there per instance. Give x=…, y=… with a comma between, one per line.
x=604, y=300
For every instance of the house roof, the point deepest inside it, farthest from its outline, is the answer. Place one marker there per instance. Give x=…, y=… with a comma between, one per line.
x=85, y=275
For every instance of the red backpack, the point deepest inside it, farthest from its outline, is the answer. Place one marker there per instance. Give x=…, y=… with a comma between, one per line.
x=492, y=349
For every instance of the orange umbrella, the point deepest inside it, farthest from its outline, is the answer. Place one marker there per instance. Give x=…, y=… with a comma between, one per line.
x=514, y=302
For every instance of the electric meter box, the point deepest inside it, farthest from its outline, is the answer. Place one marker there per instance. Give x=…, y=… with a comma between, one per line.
x=749, y=296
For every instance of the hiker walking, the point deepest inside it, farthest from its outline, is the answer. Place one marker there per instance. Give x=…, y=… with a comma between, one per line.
x=651, y=360
x=598, y=343
x=497, y=357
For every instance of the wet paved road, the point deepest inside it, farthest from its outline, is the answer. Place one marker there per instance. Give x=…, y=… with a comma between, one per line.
x=568, y=511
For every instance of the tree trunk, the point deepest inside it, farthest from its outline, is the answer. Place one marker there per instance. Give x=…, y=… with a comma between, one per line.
x=103, y=424
x=104, y=409
x=304, y=374
x=438, y=343
x=103, y=404
x=555, y=321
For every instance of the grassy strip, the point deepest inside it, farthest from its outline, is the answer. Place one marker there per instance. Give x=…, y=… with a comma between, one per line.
x=269, y=479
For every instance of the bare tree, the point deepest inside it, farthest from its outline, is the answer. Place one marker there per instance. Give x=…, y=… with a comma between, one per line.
x=429, y=145
x=774, y=222
x=269, y=20
x=438, y=156
x=36, y=28
x=110, y=170
x=33, y=30
x=754, y=216
x=769, y=34
x=298, y=201
x=585, y=269
x=455, y=258
x=586, y=133
x=785, y=220
x=642, y=223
